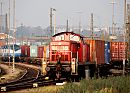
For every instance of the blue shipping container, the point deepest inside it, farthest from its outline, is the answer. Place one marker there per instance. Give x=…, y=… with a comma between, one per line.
x=107, y=52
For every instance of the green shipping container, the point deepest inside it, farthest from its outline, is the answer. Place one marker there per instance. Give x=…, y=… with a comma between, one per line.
x=33, y=51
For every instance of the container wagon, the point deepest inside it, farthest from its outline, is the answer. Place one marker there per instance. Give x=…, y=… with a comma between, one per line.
x=97, y=57
x=34, y=53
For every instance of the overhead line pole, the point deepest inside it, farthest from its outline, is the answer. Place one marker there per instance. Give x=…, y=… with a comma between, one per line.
x=1, y=16
x=125, y=52
x=113, y=22
x=14, y=26
x=91, y=27
x=67, y=27
x=9, y=32
x=54, y=21
x=51, y=21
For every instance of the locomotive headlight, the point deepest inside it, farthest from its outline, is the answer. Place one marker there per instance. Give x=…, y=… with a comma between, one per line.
x=67, y=69
x=44, y=62
x=73, y=63
x=47, y=69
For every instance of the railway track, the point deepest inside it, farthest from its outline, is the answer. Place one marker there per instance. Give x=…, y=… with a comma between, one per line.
x=2, y=71
x=32, y=78
x=31, y=75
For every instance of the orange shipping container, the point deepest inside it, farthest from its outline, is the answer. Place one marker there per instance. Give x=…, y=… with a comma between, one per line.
x=97, y=51
x=117, y=50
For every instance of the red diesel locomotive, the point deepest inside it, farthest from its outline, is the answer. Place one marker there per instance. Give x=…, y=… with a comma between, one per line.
x=68, y=55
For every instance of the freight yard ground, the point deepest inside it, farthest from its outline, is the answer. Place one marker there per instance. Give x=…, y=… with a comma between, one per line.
x=9, y=74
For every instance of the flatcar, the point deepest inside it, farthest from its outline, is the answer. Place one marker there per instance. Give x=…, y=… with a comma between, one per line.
x=68, y=56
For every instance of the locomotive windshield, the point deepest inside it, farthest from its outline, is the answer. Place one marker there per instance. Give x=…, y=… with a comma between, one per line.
x=59, y=50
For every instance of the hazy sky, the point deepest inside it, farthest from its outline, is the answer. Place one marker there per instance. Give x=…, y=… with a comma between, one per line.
x=36, y=12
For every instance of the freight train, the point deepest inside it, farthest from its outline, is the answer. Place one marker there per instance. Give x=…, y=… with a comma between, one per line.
x=70, y=55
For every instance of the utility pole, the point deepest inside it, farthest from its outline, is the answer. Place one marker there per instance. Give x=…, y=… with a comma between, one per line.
x=54, y=21
x=51, y=14
x=124, y=37
x=9, y=32
x=67, y=28
x=128, y=29
x=113, y=22
x=22, y=32
x=91, y=26
x=79, y=26
x=14, y=26
x=51, y=21
x=1, y=16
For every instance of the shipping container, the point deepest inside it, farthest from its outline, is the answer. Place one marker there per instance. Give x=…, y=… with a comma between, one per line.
x=88, y=52
x=118, y=51
x=84, y=53
x=107, y=52
x=33, y=51
x=2, y=43
x=40, y=51
x=25, y=50
x=97, y=51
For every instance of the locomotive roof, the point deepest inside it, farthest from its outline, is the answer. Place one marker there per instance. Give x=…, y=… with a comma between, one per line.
x=81, y=36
